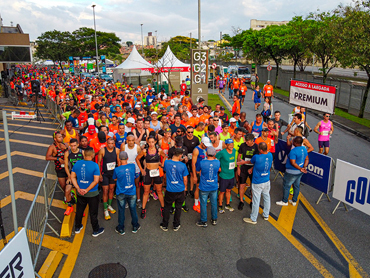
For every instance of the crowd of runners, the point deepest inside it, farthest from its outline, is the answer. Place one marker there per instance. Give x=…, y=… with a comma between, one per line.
x=131, y=144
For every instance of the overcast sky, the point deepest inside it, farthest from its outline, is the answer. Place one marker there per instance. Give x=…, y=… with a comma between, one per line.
x=169, y=17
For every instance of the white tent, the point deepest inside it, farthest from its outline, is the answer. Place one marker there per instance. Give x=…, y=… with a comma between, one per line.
x=134, y=63
x=169, y=61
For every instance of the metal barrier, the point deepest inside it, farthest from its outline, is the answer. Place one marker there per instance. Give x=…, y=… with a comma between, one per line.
x=55, y=111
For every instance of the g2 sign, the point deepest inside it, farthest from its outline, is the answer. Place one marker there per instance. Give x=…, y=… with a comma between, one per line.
x=199, y=74
x=352, y=185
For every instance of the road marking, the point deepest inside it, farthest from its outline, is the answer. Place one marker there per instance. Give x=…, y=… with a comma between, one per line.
x=299, y=246
x=30, y=108
x=50, y=265
x=226, y=101
x=23, y=120
x=70, y=262
x=287, y=216
x=354, y=268
x=26, y=142
x=26, y=172
x=31, y=126
x=28, y=133
x=31, y=155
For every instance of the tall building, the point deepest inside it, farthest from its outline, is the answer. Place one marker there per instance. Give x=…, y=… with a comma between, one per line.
x=261, y=24
x=150, y=40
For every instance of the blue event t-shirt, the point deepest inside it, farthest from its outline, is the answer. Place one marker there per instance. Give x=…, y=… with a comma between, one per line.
x=261, y=170
x=85, y=171
x=175, y=173
x=149, y=99
x=299, y=155
x=74, y=121
x=125, y=175
x=209, y=174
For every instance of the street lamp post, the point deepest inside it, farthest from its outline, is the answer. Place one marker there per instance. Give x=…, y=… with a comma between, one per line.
x=142, y=40
x=199, y=35
x=156, y=41
x=96, y=42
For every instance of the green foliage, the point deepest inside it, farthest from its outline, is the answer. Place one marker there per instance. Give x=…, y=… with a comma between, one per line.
x=180, y=46
x=129, y=43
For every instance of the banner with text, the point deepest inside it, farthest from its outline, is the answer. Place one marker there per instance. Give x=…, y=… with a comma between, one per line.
x=352, y=186
x=318, y=169
x=15, y=258
x=319, y=97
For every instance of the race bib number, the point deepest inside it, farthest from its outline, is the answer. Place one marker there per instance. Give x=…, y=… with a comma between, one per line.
x=154, y=173
x=111, y=166
x=272, y=142
x=269, y=91
x=232, y=166
x=325, y=132
x=190, y=156
x=142, y=144
x=62, y=165
x=248, y=161
x=255, y=134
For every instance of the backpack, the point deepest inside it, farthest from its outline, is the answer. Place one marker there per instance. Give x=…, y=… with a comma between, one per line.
x=259, y=94
x=266, y=113
x=306, y=131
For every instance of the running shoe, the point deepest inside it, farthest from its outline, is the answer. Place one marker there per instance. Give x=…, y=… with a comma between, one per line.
x=164, y=228
x=185, y=208
x=106, y=214
x=265, y=218
x=120, y=232
x=138, y=204
x=229, y=208
x=214, y=222
x=135, y=229
x=293, y=203
x=176, y=228
x=250, y=221
x=78, y=230
x=111, y=209
x=201, y=224
x=241, y=205
x=98, y=232
x=196, y=208
x=154, y=195
x=69, y=210
x=143, y=213
x=221, y=210
x=172, y=210
x=281, y=203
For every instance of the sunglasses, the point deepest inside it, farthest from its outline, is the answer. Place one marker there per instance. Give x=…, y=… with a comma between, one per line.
x=189, y=132
x=327, y=116
x=179, y=131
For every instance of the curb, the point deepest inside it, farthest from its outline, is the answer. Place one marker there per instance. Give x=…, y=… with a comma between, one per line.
x=336, y=123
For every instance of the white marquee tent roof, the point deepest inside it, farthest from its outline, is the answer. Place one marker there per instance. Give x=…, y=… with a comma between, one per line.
x=135, y=61
x=169, y=60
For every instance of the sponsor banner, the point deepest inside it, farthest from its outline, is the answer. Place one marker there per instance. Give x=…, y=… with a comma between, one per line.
x=15, y=258
x=319, y=97
x=318, y=169
x=352, y=186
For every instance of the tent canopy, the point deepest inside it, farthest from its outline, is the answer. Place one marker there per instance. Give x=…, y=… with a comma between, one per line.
x=169, y=61
x=135, y=61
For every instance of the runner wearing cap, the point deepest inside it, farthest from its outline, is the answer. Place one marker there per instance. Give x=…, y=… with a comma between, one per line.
x=130, y=125
x=227, y=180
x=155, y=124
x=124, y=175
x=107, y=161
x=91, y=133
x=199, y=154
x=208, y=186
x=232, y=126
x=325, y=129
x=99, y=142
x=151, y=172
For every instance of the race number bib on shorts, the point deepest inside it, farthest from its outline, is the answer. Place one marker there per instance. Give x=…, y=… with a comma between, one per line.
x=154, y=173
x=111, y=166
x=190, y=156
x=255, y=134
x=325, y=132
x=232, y=166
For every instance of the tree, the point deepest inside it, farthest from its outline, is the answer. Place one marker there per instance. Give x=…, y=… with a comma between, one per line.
x=180, y=46
x=54, y=45
x=84, y=42
x=352, y=40
x=296, y=43
x=251, y=47
x=320, y=33
x=129, y=43
x=271, y=40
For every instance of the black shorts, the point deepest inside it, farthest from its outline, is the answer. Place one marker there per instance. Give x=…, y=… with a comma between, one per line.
x=148, y=179
x=236, y=91
x=244, y=175
x=226, y=184
x=61, y=173
x=107, y=180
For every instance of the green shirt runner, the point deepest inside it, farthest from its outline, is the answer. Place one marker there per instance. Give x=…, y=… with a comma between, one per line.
x=227, y=163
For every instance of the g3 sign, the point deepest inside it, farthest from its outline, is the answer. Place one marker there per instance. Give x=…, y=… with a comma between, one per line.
x=199, y=74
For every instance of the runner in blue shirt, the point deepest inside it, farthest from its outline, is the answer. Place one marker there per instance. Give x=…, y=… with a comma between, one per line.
x=208, y=186
x=124, y=175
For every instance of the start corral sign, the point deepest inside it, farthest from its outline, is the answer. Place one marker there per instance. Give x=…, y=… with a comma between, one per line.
x=315, y=96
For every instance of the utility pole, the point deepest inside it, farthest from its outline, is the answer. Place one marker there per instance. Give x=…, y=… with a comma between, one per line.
x=199, y=35
x=96, y=42
x=142, y=40
x=190, y=40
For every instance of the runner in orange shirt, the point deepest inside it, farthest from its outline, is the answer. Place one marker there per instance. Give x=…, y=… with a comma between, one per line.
x=268, y=90
x=264, y=138
x=186, y=121
x=236, y=105
x=243, y=89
